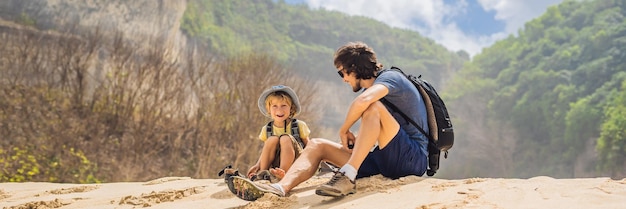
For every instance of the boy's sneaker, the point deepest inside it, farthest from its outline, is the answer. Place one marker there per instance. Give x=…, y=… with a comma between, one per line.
x=251, y=191
x=339, y=185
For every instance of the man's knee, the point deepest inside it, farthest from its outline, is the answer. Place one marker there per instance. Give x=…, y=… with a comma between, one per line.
x=374, y=111
x=321, y=146
x=315, y=145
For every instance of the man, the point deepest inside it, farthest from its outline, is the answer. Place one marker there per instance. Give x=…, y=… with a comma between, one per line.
x=385, y=144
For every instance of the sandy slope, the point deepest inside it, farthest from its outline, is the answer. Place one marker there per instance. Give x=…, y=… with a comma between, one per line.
x=374, y=192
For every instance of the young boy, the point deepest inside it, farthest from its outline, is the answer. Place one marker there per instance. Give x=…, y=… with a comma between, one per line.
x=284, y=137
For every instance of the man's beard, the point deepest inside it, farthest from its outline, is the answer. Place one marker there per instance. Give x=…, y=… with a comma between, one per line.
x=357, y=86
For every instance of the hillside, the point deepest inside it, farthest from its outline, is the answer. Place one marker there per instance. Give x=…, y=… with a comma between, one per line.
x=306, y=39
x=549, y=101
x=138, y=20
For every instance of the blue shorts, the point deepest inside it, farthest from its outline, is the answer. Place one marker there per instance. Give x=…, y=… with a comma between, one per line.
x=401, y=157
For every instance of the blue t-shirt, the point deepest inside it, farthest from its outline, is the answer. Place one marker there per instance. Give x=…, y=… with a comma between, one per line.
x=404, y=95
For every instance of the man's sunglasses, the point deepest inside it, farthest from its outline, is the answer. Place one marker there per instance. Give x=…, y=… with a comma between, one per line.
x=340, y=72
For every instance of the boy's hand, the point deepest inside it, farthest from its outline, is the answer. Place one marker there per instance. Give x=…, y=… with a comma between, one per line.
x=253, y=170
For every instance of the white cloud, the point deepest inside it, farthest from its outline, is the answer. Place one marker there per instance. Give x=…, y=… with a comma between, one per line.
x=516, y=13
x=435, y=17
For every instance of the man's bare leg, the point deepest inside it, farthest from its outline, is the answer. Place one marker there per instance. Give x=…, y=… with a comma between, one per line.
x=306, y=165
x=377, y=125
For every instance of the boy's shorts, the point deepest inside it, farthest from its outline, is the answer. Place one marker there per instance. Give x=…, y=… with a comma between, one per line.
x=401, y=157
x=296, y=146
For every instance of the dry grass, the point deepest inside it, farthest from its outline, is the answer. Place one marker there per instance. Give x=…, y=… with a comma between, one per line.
x=96, y=108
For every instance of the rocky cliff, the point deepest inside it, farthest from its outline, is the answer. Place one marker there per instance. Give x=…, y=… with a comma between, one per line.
x=138, y=20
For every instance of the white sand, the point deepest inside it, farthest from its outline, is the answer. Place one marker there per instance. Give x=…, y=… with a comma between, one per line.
x=373, y=192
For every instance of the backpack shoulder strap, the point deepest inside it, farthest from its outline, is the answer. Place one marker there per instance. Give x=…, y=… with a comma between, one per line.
x=406, y=117
x=427, y=102
x=268, y=129
x=295, y=130
x=394, y=68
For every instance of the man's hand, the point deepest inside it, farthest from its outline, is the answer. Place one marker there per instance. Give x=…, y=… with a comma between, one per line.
x=347, y=140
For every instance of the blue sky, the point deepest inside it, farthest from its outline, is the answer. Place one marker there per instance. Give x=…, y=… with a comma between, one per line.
x=468, y=25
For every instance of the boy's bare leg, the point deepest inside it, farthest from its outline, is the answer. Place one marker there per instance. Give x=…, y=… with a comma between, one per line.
x=268, y=153
x=287, y=152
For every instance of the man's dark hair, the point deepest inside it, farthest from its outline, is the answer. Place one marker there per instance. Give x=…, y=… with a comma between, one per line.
x=359, y=58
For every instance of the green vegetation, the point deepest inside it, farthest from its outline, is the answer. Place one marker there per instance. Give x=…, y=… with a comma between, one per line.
x=612, y=142
x=26, y=20
x=554, y=87
x=306, y=39
x=35, y=164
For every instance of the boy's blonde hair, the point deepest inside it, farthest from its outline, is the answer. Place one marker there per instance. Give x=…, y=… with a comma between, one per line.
x=280, y=96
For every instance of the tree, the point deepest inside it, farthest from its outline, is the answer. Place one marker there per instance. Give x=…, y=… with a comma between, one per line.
x=612, y=142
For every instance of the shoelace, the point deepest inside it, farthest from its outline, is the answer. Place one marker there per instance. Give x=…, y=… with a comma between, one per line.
x=335, y=178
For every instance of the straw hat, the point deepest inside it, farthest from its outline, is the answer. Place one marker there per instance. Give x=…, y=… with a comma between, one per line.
x=283, y=88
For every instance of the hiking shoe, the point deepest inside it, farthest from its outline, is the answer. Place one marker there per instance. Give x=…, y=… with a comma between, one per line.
x=265, y=175
x=251, y=191
x=326, y=167
x=339, y=185
x=228, y=171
